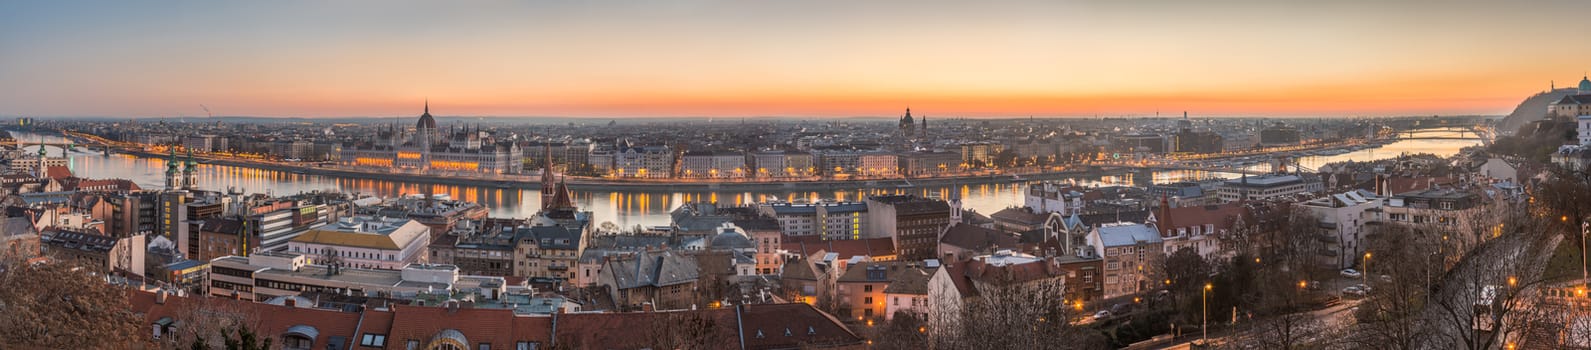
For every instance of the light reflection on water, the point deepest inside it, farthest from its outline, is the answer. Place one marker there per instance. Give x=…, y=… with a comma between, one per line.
x=629, y=208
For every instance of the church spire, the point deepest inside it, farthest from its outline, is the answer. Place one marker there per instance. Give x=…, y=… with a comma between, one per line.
x=427, y=106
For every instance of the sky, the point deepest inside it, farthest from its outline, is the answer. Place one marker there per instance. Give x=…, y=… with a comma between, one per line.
x=789, y=58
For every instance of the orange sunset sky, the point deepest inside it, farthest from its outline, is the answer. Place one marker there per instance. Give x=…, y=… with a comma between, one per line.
x=788, y=58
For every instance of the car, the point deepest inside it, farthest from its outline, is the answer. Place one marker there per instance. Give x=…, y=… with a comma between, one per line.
x=1354, y=291
x=1387, y=279
x=1119, y=308
x=1102, y=314
x=1314, y=285
x=1351, y=273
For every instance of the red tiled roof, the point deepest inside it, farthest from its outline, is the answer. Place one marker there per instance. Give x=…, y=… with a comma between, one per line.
x=501, y=329
x=57, y=172
x=791, y=326
x=1221, y=216
x=498, y=327
x=635, y=330
x=871, y=247
x=274, y=320
x=976, y=238
x=1011, y=274
x=958, y=277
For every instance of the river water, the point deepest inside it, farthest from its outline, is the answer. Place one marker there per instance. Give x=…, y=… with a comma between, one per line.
x=628, y=208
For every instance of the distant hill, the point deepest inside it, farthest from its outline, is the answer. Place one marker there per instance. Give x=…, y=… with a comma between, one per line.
x=1532, y=109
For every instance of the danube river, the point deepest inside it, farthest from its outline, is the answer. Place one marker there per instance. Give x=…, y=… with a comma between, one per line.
x=628, y=208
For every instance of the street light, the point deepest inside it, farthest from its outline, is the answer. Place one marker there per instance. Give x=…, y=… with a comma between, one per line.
x=1204, y=300
x=1364, y=277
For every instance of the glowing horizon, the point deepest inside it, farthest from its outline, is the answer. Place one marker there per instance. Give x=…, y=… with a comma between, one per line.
x=708, y=58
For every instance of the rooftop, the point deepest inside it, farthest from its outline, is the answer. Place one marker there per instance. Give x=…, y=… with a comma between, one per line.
x=1120, y=234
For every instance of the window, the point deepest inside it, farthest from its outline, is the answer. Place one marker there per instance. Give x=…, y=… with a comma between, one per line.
x=868, y=301
x=373, y=340
x=867, y=288
x=295, y=341
x=412, y=345
x=525, y=345
x=484, y=346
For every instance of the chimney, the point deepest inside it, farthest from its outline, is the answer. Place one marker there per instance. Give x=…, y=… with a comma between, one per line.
x=647, y=307
x=160, y=297
x=291, y=302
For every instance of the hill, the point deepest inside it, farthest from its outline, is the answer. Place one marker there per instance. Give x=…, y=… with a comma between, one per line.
x=1532, y=109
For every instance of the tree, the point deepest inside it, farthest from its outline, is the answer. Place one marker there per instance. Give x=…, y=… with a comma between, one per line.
x=1186, y=273
x=904, y=331
x=60, y=305
x=682, y=330
x=1028, y=315
x=206, y=321
x=244, y=339
x=241, y=339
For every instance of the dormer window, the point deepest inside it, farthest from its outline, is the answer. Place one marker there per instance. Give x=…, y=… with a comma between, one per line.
x=812, y=331
x=787, y=332
x=759, y=334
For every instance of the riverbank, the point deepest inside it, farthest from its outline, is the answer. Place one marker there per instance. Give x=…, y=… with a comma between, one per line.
x=673, y=185
x=588, y=184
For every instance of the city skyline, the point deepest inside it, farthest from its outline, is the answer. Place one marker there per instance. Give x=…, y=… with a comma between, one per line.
x=807, y=59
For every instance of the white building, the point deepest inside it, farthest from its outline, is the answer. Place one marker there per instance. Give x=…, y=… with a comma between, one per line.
x=1054, y=198
x=1131, y=253
x=374, y=243
x=713, y=165
x=1343, y=217
x=844, y=220
x=1583, y=125
x=783, y=164
x=655, y=162
x=263, y=276
x=1268, y=186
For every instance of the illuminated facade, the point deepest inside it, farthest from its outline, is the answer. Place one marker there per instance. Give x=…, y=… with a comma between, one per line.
x=706, y=164
x=429, y=148
x=644, y=161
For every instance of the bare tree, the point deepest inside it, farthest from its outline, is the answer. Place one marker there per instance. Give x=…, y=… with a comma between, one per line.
x=60, y=305
x=1017, y=316
x=205, y=319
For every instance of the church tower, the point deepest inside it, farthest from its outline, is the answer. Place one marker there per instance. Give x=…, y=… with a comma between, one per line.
x=554, y=193
x=190, y=176
x=955, y=204
x=172, y=181
x=41, y=171
x=425, y=136
x=907, y=124
x=548, y=183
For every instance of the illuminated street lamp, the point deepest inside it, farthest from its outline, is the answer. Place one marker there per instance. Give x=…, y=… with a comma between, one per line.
x=1365, y=276
x=1205, y=301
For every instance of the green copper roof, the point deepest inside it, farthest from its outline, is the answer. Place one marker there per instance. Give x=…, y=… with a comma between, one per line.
x=171, y=163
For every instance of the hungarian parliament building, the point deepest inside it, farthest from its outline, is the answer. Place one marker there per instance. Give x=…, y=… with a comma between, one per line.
x=428, y=148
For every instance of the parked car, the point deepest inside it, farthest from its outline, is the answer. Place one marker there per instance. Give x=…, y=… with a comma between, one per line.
x=1351, y=273
x=1362, y=287
x=1120, y=308
x=1387, y=279
x=1314, y=285
x=1354, y=291
x=1102, y=314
